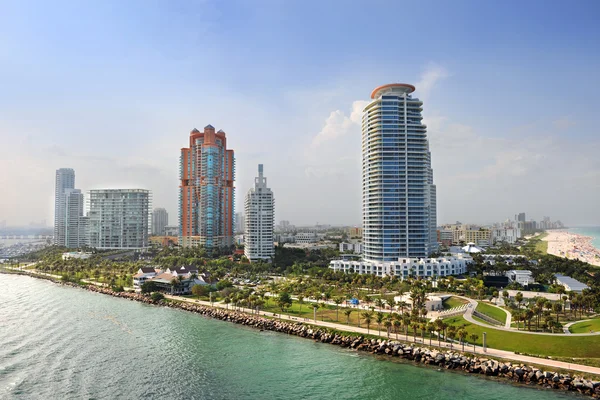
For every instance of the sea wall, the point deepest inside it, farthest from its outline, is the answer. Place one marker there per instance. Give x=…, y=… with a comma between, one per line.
x=452, y=360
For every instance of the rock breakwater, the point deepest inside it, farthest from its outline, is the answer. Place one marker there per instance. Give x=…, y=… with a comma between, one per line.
x=447, y=359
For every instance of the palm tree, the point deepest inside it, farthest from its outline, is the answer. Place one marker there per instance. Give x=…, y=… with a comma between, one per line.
x=397, y=325
x=347, y=312
x=388, y=325
x=452, y=334
x=379, y=317
x=430, y=329
x=337, y=301
x=462, y=334
x=368, y=317
x=557, y=309
x=300, y=301
x=474, y=338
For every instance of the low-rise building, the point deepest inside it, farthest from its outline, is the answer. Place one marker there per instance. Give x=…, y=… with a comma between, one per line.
x=76, y=254
x=570, y=284
x=351, y=247
x=432, y=302
x=522, y=277
x=306, y=237
x=406, y=267
x=311, y=246
x=143, y=274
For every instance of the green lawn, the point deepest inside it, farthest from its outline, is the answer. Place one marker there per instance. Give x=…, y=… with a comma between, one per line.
x=494, y=312
x=536, y=345
x=586, y=326
x=452, y=302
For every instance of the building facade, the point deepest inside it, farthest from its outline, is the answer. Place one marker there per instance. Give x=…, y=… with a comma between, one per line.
x=240, y=222
x=119, y=218
x=160, y=219
x=76, y=225
x=206, y=192
x=398, y=194
x=65, y=180
x=407, y=267
x=259, y=208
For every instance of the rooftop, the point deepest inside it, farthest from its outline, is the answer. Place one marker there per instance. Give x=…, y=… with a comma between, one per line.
x=396, y=87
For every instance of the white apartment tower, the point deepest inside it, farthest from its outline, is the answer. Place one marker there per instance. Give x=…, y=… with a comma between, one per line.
x=119, y=218
x=399, y=197
x=65, y=180
x=259, y=224
x=160, y=219
x=75, y=222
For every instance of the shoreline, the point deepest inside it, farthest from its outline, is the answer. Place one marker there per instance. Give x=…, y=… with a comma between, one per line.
x=562, y=243
x=419, y=354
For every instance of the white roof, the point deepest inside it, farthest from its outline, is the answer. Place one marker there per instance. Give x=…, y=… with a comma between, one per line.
x=573, y=284
x=471, y=248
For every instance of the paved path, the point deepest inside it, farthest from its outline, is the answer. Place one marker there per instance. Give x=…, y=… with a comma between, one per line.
x=567, y=326
x=478, y=349
x=469, y=317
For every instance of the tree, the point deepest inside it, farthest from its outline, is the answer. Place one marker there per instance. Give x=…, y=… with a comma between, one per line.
x=430, y=329
x=337, y=301
x=519, y=298
x=300, y=297
x=174, y=283
x=505, y=295
x=388, y=325
x=557, y=309
x=474, y=338
x=462, y=334
x=397, y=325
x=347, y=312
x=284, y=300
x=227, y=300
x=368, y=317
x=149, y=287
x=379, y=317
x=157, y=297
x=199, y=290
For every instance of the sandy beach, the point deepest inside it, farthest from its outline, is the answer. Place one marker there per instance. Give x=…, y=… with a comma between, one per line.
x=570, y=245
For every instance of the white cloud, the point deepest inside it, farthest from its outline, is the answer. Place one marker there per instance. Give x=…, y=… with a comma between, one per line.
x=338, y=124
x=429, y=78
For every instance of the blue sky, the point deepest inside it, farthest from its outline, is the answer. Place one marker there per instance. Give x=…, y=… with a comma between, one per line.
x=112, y=89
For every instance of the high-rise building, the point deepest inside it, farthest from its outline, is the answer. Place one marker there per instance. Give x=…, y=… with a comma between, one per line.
x=260, y=222
x=398, y=194
x=65, y=179
x=206, y=192
x=520, y=217
x=160, y=219
x=240, y=222
x=75, y=222
x=399, y=197
x=119, y=218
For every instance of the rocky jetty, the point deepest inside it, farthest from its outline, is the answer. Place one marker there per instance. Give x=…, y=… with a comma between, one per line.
x=420, y=354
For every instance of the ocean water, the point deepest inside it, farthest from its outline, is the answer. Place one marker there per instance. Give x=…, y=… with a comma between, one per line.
x=593, y=231
x=65, y=343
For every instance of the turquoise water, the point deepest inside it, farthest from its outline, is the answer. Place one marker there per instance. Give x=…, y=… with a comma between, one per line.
x=593, y=231
x=65, y=343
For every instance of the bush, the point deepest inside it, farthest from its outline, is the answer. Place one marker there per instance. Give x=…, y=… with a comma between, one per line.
x=148, y=287
x=157, y=296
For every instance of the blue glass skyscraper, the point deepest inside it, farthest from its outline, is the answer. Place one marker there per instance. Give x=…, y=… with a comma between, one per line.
x=399, y=197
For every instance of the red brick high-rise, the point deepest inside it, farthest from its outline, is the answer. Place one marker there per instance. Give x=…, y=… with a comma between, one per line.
x=206, y=192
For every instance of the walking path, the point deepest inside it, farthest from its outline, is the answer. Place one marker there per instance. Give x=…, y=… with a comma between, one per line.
x=567, y=326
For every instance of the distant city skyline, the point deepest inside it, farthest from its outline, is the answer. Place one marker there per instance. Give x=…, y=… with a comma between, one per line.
x=112, y=99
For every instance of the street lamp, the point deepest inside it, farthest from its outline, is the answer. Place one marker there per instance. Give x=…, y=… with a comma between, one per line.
x=484, y=342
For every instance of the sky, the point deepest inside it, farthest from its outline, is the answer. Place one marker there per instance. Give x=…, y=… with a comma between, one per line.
x=511, y=95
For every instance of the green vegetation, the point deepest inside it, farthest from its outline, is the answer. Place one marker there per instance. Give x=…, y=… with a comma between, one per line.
x=586, y=326
x=493, y=312
x=535, y=345
x=452, y=302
